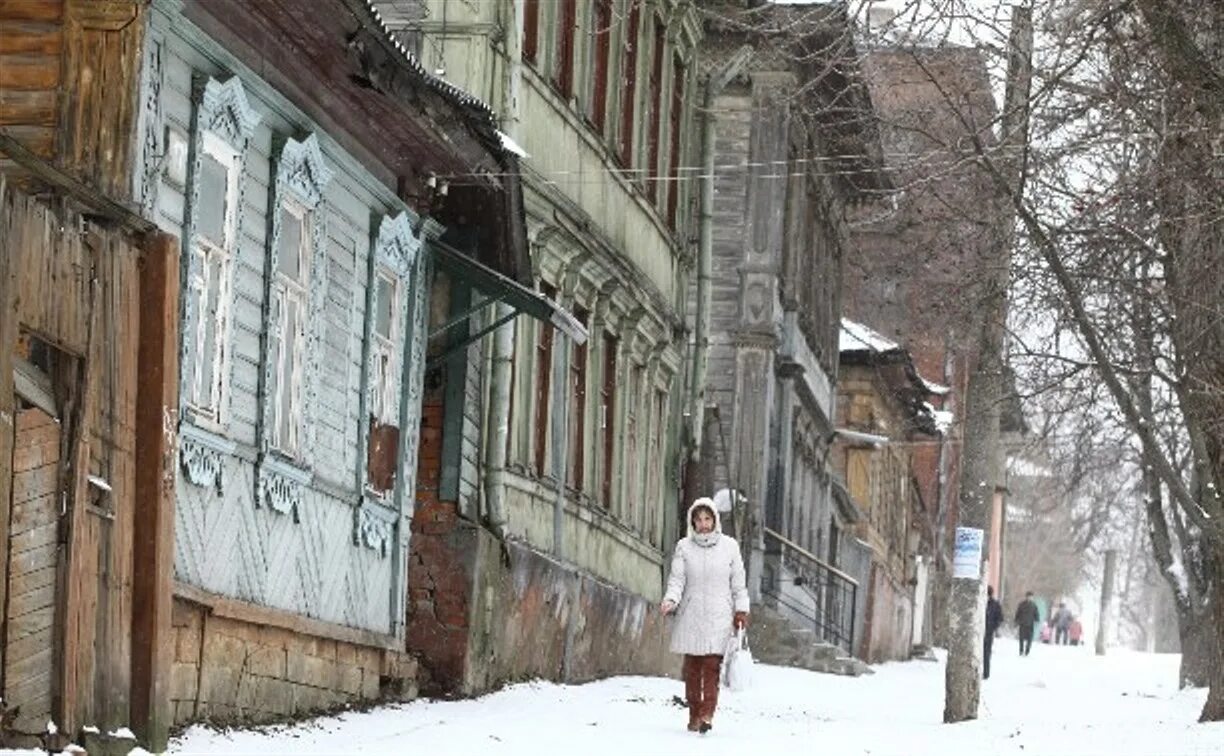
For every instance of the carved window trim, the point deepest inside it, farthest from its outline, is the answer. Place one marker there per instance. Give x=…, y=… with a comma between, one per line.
x=223, y=123
x=301, y=179
x=395, y=254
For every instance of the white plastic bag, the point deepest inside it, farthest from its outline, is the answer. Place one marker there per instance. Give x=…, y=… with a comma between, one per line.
x=737, y=663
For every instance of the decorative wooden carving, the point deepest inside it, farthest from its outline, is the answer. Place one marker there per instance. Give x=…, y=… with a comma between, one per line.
x=396, y=245
x=375, y=527
x=202, y=457
x=225, y=110
x=414, y=378
x=303, y=175
x=280, y=486
x=396, y=249
x=301, y=169
x=152, y=148
x=222, y=109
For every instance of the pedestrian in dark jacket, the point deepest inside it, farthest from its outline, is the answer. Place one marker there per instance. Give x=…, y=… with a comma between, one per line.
x=1062, y=624
x=994, y=618
x=1026, y=619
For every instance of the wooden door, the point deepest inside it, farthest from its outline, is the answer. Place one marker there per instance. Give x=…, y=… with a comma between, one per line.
x=33, y=558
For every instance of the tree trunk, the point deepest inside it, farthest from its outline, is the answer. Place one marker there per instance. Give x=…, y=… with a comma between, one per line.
x=982, y=458
x=1105, y=621
x=963, y=674
x=1198, y=648
x=1213, y=710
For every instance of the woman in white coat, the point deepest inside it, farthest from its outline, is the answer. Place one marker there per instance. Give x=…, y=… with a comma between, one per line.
x=708, y=593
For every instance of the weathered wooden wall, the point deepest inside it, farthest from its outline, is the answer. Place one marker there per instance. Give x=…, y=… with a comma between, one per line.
x=75, y=286
x=68, y=76
x=316, y=562
x=31, y=45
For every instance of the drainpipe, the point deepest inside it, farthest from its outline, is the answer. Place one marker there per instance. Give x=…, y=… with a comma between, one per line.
x=498, y=419
x=717, y=81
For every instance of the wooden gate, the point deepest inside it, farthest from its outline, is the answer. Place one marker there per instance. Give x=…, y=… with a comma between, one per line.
x=33, y=551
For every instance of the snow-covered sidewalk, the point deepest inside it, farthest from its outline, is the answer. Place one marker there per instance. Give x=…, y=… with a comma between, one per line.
x=1058, y=700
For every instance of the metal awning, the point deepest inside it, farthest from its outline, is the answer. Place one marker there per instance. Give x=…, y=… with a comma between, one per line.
x=497, y=288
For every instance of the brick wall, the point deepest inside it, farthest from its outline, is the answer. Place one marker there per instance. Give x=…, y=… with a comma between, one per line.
x=538, y=617
x=439, y=586
x=228, y=670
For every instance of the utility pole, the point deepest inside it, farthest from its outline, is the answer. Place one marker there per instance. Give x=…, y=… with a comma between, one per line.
x=982, y=463
x=1105, y=620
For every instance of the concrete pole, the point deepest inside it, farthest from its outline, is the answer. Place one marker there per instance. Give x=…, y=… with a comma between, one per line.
x=1105, y=620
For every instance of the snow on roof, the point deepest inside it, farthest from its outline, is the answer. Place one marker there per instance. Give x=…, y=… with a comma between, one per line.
x=938, y=389
x=856, y=337
x=509, y=145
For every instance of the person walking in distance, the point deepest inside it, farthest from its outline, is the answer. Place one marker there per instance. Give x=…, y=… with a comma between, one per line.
x=1062, y=624
x=1076, y=631
x=994, y=618
x=1026, y=619
x=707, y=591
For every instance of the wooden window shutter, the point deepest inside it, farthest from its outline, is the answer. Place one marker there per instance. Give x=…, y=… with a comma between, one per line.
x=531, y=30
x=599, y=90
x=608, y=402
x=629, y=76
x=564, y=75
x=677, y=118
x=656, y=110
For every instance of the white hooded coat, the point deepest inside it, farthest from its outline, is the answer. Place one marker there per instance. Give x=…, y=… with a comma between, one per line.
x=708, y=586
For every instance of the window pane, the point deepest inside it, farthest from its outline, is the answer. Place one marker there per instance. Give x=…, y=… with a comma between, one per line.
x=290, y=250
x=208, y=316
x=213, y=194
x=207, y=354
x=288, y=363
x=383, y=305
x=274, y=351
x=382, y=380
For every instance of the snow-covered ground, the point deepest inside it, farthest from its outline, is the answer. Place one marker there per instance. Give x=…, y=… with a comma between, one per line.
x=1058, y=700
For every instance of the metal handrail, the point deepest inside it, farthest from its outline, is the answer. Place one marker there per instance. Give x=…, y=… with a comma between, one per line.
x=808, y=555
x=833, y=592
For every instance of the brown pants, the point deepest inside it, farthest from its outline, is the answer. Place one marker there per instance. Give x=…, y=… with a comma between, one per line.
x=701, y=675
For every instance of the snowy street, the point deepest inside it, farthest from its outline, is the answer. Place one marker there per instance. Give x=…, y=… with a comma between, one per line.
x=1058, y=700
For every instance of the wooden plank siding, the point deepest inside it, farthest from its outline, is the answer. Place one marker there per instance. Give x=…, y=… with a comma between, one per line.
x=68, y=566
x=68, y=74
x=101, y=68
x=226, y=543
x=32, y=557
x=31, y=45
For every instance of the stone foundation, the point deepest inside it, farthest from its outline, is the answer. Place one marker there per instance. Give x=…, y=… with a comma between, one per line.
x=228, y=670
x=484, y=613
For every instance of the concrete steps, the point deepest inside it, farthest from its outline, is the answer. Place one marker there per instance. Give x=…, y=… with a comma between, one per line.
x=775, y=641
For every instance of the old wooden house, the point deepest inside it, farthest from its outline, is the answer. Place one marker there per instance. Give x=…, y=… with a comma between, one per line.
x=295, y=148
x=88, y=382
x=553, y=498
x=884, y=414
x=793, y=151
x=915, y=277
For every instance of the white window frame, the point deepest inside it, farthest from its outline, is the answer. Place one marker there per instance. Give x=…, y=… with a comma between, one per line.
x=207, y=403
x=385, y=389
x=286, y=290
